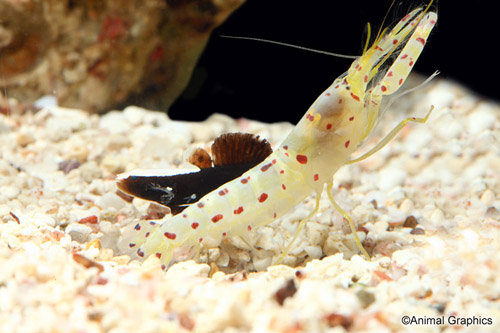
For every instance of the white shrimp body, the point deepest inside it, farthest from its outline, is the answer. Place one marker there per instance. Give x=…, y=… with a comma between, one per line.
x=258, y=197
x=323, y=140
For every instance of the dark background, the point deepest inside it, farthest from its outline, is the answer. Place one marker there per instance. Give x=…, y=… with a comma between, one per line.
x=274, y=83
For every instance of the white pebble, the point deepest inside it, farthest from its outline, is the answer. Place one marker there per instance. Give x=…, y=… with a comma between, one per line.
x=396, y=194
x=10, y=192
x=437, y=243
x=111, y=234
x=418, y=139
x=260, y=264
x=41, y=219
x=46, y=101
x=471, y=239
x=437, y=216
x=407, y=206
x=390, y=178
x=380, y=227
x=481, y=119
x=378, y=196
x=110, y=200
x=79, y=232
x=488, y=197
x=316, y=232
x=114, y=122
x=441, y=95
x=395, y=215
x=314, y=252
x=213, y=254
x=134, y=115
x=223, y=260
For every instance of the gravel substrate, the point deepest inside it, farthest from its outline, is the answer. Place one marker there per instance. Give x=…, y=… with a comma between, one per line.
x=427, y=207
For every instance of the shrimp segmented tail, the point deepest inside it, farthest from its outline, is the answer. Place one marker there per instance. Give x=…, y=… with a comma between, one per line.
x=322, y=142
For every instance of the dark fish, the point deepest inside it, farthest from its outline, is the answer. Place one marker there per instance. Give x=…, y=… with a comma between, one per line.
x=233, y=155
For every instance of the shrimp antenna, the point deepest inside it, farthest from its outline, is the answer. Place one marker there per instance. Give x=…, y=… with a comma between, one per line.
x=381, y=28
x=293, y=46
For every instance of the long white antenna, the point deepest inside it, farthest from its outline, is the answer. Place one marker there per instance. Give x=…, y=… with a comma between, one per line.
x=294, y=46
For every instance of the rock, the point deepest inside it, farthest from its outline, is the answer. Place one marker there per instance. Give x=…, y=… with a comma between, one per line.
x=93, y=55
x=79, y=232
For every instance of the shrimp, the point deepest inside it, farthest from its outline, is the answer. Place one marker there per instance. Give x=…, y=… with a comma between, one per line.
x=322, y=141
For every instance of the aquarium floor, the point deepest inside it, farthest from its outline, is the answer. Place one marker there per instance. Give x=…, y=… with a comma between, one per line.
x=427, y=207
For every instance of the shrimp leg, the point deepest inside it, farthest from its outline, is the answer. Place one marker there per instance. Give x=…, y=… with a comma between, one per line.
x=346, y=216
x=391, y=136
x=299, y=229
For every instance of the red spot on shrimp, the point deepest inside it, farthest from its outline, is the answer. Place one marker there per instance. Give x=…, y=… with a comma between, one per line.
x=195, y=225
x=201, y=205
x=379, y=48
x=365, y=78
x=285, y=147
x=244, y=180
x=274, y=215
x=404, y=56
x=413, y=118
x=170, y=235
x=137, y=227
x=411, y=62
x=283, y=186
x=389, y=74
x=266, y=167
x=147, y=234
x=286, y=154
x=238, y=210
x=420, y=40
x=263, y=197
x=395, y=41
x=400, y=81
x=346, y=144
x=249, y=228
x=316, y=177
x=340, y=100
x=223, y=192
x=383, y=88
x=351, y=118
x=201, y=240
x=273, y=161
x=355, y=97
x=282, y=171
x=158, y=255
x=131, y=245
x=224, y=234
x=163, y=267
x=184, y=216
x=302, y=159
x=327, y=94
x=329, y=126
x=309, y=117
x=140, y=253
x=217, y=218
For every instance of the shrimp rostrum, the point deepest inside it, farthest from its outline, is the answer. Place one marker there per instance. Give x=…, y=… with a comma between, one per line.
x=322, y=142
